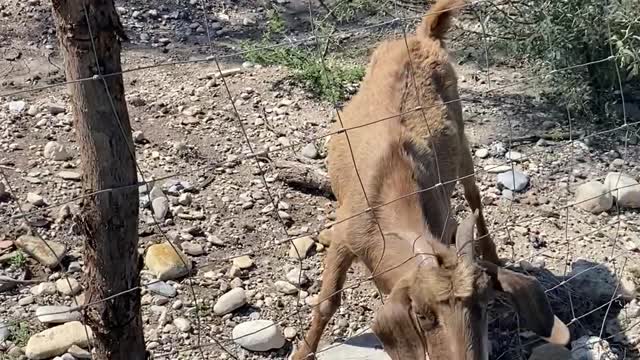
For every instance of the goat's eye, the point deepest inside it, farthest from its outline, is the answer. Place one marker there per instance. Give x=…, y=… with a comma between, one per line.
x=427, y=320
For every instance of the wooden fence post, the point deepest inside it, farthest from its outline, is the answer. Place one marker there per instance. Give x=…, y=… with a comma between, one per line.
x=109, y=219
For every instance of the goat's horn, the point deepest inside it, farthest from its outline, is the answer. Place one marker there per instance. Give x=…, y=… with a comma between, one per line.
x=464, y=235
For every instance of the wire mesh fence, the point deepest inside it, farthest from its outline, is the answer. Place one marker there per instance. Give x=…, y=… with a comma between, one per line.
x=561, y=289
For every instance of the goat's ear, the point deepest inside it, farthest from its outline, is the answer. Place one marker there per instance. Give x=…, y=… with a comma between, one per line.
x=464, y=236
x=530, y=300
x=394, y=325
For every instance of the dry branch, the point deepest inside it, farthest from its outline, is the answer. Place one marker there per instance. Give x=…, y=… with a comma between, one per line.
x=304, y=177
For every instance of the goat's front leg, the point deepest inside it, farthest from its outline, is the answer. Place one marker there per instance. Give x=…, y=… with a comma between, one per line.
x=337, y=263
x=472, y=194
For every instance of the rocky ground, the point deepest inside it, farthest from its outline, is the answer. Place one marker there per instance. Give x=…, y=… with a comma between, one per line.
x=209, y=195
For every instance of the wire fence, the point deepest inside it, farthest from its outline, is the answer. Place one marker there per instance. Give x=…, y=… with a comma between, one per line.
x=224, y=343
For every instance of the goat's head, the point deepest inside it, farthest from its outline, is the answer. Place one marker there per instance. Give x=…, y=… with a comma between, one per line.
x=440, y=310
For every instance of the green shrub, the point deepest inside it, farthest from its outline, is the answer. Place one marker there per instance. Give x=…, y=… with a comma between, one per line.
x=568, y=33
x=327, y=78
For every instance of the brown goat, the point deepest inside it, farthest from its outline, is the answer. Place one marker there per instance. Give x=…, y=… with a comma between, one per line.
x=437, y=307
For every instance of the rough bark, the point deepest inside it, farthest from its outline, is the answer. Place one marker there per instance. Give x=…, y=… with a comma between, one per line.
x=109, y=220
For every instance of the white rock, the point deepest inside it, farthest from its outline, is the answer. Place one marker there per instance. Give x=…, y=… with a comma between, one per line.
x=35, y=199
x=513, y=180
x=162, y=288
x=70, y=175
x=234, y=299
x=591, y=348
x=78, y=352
x=185, y=199
x=17, y=106
x=302, y=245
x=45, y=288
x=624, y=188
x=297, y=277
x=482, y=153
x=191, y=248
x=290, y=332
x=27, y=300
x=285, y=287
x=4, y=332
x=68, y=286
x=182, y=324
x=228, y=72
x=514, y=155
x=243, y=262
x=57, y=314
x=365, y=345
x=56, y=340
x=593, y=197
x=160, y=207
x=258, y=335
x=310, y=151
x=56, y=151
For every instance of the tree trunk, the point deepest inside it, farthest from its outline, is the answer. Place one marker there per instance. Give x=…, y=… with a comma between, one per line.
x=109, y=220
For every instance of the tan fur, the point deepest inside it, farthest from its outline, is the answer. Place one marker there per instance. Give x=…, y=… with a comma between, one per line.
x=406, y=154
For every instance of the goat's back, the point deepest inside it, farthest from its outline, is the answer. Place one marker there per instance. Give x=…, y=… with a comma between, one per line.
x=406, y=94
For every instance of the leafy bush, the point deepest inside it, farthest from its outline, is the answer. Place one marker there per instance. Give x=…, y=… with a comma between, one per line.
x=564, y=34
x=328, y=78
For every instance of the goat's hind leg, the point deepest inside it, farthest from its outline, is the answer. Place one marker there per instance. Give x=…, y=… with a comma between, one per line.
x=337, y=263
x=472, y=194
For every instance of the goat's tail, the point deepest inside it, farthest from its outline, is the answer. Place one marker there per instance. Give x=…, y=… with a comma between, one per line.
x=437, y=21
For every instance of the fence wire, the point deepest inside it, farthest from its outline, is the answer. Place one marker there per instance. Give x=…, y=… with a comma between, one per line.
x=225, y=344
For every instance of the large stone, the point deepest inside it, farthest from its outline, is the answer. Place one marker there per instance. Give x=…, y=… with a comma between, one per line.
x=482, y=153
x=17, y=106
x=182, y=324
x=364, y=345
x=36, y=248
x=68, y=286
x=162, y=288
x=285, y=287
x=56, y=340
x=258, y=335
x=56, y=151
x=55, y=109
x=513, y=180
x=296, y=276
x=4, y=332
x=310, y=151
x=78, y=352
x=35, y=199
x=303, y=245
x=234, y=299
x=70, y=175
x=192, y=248
x=45, y=288
x=243, y=262
x=624, y=188
x=160, y=208
x=591, y=348
x=167, y=262
x=593, y=197
x=57, y=314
